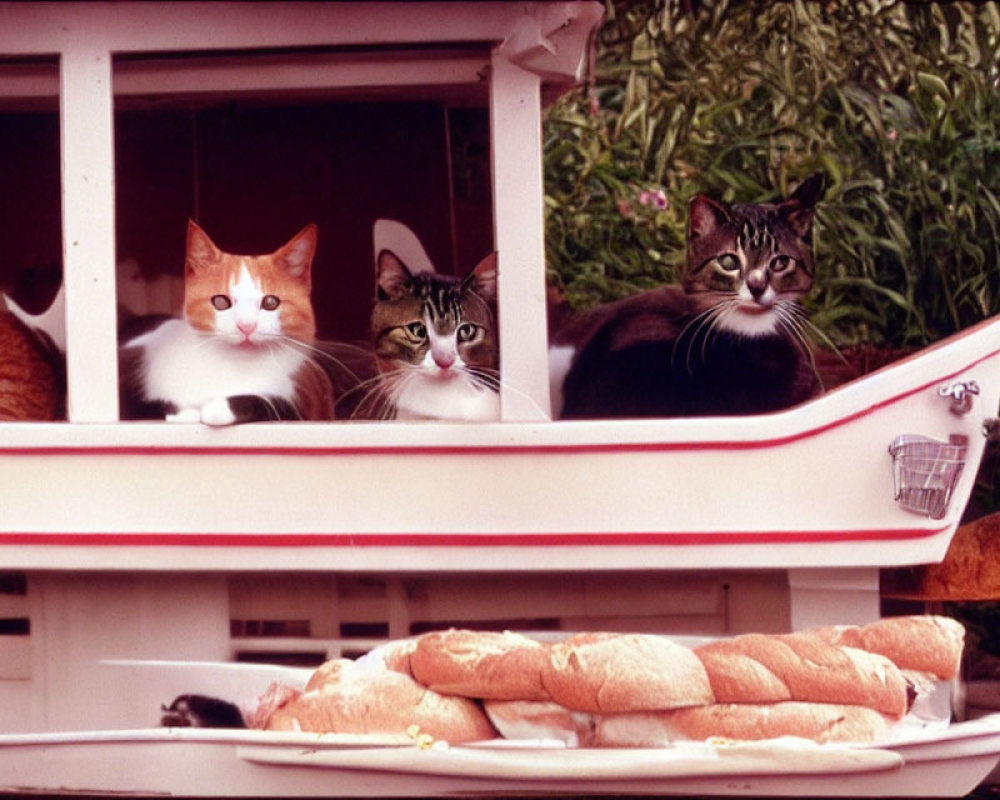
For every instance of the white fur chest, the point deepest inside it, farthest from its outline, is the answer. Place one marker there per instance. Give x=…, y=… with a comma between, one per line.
x=186, y=369
x=453, y=399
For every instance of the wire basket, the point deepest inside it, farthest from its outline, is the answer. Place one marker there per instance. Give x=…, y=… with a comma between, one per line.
x=925, y=472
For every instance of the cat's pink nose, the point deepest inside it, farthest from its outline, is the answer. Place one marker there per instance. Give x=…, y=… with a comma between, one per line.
x=246, y=328
x=444, y=360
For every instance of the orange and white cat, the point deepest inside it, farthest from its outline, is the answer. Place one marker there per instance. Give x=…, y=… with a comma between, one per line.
x=242, y=350
x=31, y=372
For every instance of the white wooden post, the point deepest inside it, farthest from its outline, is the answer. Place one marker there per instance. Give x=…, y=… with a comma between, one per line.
x=515, y=121
x=86, y=106
x=841, y=596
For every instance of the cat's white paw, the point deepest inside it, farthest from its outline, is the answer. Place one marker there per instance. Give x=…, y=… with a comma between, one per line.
x=217, y=412
x=187, y=415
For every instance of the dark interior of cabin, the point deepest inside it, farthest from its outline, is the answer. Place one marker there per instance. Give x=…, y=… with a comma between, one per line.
x=252, y=173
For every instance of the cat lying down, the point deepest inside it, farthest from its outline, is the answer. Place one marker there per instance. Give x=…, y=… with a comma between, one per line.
x=728, y=340
x=242, y=352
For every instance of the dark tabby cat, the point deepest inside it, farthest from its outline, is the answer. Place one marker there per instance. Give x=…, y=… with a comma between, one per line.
x=729, y=340
x=435, y=344
x=242, y=352
x=199, y=711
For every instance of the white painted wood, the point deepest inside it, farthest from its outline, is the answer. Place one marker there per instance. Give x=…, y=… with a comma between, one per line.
x=537, y=495
x=15, y=658
x=88, y=209
x=833, y=596
x=416, y=73
x=31, y=28
x=515, y=115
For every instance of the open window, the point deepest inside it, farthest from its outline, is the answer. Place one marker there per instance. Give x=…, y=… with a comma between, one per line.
x=30, y=210
x=254, y=146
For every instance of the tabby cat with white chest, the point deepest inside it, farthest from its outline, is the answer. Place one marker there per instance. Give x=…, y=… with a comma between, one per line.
x=241, y=352
x=729, y=340
x=435, y=344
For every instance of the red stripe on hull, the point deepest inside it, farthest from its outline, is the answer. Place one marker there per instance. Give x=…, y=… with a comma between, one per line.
x=631, y=539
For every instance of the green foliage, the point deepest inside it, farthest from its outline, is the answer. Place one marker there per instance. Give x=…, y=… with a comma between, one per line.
x=897, y=102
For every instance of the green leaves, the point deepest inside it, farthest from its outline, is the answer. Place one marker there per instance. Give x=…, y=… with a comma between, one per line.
x=898, y=103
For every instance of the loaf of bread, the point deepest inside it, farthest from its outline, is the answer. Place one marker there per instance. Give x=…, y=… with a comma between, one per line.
x=481, y=664
x=394, y=655
x=924, y=643
x=344, y=697
x=275, y=696
x=819, y=722
x=755, y=668
x=605, y=673
x=829, y=684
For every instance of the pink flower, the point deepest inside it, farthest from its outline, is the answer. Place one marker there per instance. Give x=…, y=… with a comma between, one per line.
x=657, y=199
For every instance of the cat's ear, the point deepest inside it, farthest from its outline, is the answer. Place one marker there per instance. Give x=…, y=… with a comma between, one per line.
x=482, y=279
x=201, y=251
x=296, y=257
x=391, y=276
x=705, y=215
x=799, y=208
x=810, y=191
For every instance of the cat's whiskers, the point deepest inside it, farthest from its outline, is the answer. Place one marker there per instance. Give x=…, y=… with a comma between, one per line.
x=382, y=391
x=507, y=386
x=484, y=377
x=273, y=407
x=403, y=379
x=791, y=321
x=796, y=333
x=724, y=310
x=703, y=324
x=210, y=339
x=805, y=327
x=319, y=355
x=367, y=388
x=695, y=322
x=373, y=403
x=271, y=344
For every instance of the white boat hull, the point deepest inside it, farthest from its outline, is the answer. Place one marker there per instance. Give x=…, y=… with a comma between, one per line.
x=199, y=762
x=808, y=487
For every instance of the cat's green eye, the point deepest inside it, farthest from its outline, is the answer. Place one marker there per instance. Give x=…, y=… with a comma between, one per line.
x=417, y=330
x=270, y=302
x=220, y=302
x=466, y=332
x=780, y=263
x=730, y=262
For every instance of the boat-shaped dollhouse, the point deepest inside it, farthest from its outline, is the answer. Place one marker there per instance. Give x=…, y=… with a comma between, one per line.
x=142, y=560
